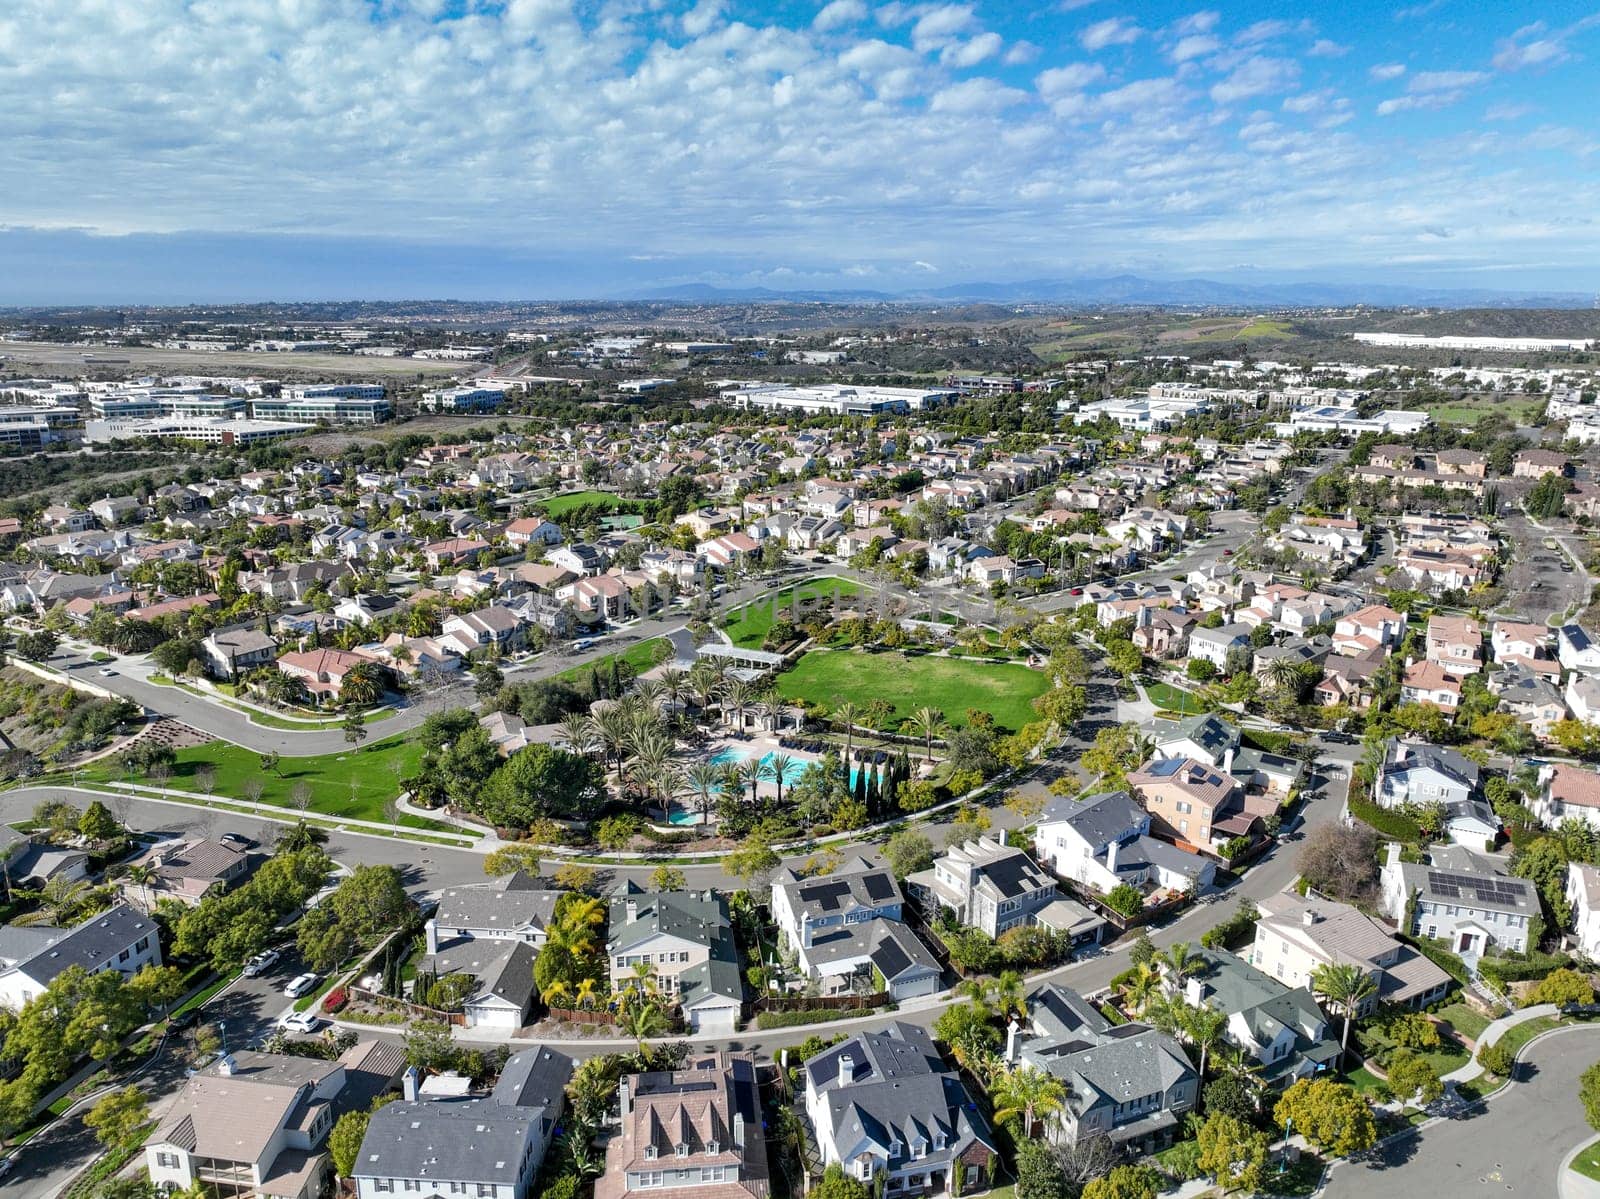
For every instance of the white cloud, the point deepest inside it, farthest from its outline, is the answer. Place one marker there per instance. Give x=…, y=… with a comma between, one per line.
x=1254, y=77
x=697, y=22
x=1323, y=48
x=976, y=96
x=1508, y=112
x=925, y=266
x=1266, y=31
x=1444, y=81
x=1203, y=21
x=1073, y=77
x=1537, y=45
x=840, y=12
x=1021, y=52
x=1113, y=31
x=1386, y=71
x=971, y=52
x=939, y=26
x=1196, y=45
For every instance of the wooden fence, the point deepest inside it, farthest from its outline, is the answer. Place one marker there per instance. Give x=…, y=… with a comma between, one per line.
x=582, y=1015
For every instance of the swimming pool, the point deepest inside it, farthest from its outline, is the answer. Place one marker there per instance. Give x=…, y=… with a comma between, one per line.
x=732, y=755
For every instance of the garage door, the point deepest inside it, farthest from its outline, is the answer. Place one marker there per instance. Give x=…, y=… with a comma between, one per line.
x=493, y=1017
x=717, y=1021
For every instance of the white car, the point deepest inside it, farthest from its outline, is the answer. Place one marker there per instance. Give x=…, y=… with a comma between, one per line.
x=107, y=671
x=299, y=1022
x=299, y=985
x=262, y=962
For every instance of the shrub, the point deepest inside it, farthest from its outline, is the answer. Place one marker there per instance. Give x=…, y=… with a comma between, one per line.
x=1562, y=987
x=1233, y=929
x=1497, y=1059
x=794, y=1019
x=335, y=999
x=1125, y=900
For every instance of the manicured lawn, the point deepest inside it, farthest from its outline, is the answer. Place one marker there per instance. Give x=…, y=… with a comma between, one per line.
x=353, y=785
x=952, y=685
x=1587, y=1163
x=748, y=626
x=641, y=657
x=1467, y=1021
x=557, y=505
x=1173, y=699
x=1515, y=1037
x=1365, y=1081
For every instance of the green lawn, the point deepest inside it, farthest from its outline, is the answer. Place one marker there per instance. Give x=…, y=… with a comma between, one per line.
x=1365, y=1081
x=1587, y=1163
x=641, y=657
x=1468, y=411
x=748, y=626
x=1467, y=1021
x=350, y=785
x=1173, y=699
x=559, y=504
x=952, y=685
x=1518, y=1035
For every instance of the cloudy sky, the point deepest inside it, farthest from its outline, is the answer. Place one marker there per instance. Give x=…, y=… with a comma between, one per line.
x=169, y=149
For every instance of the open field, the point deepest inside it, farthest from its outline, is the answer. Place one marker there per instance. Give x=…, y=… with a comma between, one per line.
x=556, y=505
x=1174, y=699
x=1468, y=410
x=54, y=359
x=952, y=685
x=641, y=657
x=352, y=785
x=748, y=626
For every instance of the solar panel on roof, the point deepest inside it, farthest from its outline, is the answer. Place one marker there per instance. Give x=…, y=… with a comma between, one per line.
x=878, y=886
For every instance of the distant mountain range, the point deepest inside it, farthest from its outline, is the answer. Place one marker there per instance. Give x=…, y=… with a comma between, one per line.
x=1135, y=289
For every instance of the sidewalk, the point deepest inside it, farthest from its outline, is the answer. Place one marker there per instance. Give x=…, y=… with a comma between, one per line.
x=1493, y=1033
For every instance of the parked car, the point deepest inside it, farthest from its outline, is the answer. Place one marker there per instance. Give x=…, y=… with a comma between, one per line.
x=107, y=671
x=184, y=1019
x=262, y=962
x=300, y=984
x=302, y=1022
x=236, y=841
x=7, y=1164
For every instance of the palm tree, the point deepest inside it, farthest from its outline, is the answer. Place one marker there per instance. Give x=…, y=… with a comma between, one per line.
x=1204, y=1027
x=1141, y=987
x=978, y=990
x=362, y=685
x=643, y=1021
x=585, y=996
x=61, y=900
x=848, y=714
x=770, y=708
x=1283, y=676
x=1010, y=995
x=579, y=732
x=674, y=684
x=927, y=723
x=1347, y=987
x=553, y=994
x=705, y=687
x=778, y=768
x=612, y=728
x=141, y=875
x=751, y=772
x=738, y=697
x=1177, y=964
x=705, y=784
x=1029, y=1093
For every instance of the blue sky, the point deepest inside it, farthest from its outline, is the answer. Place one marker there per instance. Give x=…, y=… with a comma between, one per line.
x=234, y=149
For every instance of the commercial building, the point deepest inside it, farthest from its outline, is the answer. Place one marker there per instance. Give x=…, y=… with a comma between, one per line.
x=839, y=398
x=208, y=430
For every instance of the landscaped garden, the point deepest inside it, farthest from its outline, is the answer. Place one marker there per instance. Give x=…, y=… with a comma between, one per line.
x=561, y=504
x=950, y=685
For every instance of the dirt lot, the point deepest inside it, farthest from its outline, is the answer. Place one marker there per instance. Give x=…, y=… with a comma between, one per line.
x=49, y=358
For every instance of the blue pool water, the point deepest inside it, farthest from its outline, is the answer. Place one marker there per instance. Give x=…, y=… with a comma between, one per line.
x=731, y=755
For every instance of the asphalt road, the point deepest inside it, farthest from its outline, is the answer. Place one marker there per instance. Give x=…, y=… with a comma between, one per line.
x=1513, y=1147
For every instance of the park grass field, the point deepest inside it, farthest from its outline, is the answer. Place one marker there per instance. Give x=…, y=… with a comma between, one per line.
x=558, y=505
x=748, y=626
x=353, y=785
x=1174, y=699
x=951, y=685
x=640, y=657
x=1468, y=410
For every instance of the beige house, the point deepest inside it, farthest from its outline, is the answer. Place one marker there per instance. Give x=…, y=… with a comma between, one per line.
x=1455, y=643
x=1296, y=936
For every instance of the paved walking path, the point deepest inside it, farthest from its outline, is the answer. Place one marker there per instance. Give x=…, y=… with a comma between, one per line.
x=1493, y=1033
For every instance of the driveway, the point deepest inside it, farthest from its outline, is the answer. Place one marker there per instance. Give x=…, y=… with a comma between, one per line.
x=1515, y=1147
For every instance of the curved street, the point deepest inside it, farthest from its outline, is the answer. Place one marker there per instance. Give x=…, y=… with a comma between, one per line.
x=1516, y=1147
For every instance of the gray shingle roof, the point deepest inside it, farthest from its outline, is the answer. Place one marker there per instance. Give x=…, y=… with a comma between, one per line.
x=508, y=903
x=91, y=944
x=1098, y=819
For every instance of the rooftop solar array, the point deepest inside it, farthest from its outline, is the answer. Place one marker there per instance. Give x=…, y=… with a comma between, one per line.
x=1502, y=891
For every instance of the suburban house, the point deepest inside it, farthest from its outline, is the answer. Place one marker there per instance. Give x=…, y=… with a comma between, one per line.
x=1414, y=772
x=1296, y=935
x=1195, y=804
x=321, y=671
x=494, y=629
x=1372, y=627
x=232, y=653
x=1467, y=901
x=1127, y=1082
x=488, y=1145
x=695, y=1131
x=684, y=941
x=492, y=932
x=1280, y=1026
x=256, y=1123
x=987, y=884
x=1566, y=792
x=845, y=929
x=1583, y=893
x=1102, y=841
x=885, y=1104
x=31, y=956
x=1214, y=645
x=1455, y=643
x=187, y=871
x=1576, y=650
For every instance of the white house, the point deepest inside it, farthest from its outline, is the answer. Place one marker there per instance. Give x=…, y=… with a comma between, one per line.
x=123, y=939
x=1457, y=897
x=1103, y=840
x=1583, y=894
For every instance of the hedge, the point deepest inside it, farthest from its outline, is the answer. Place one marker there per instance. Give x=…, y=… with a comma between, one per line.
x=1395, y=825
x=1521, y=969
x=1442, y=958
x=809, y=1016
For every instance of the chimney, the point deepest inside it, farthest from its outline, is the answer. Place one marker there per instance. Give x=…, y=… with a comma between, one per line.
x=805, y=929
x=1194, y=990
x=226, y=1065
x=847, y=1069
x=1309, y=917
x=1012, y=1029
x=433, y=936
x=1227, y=761
x=1111, y=856
x=408, y=1084
x=633, y=909
x=625, y=1097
